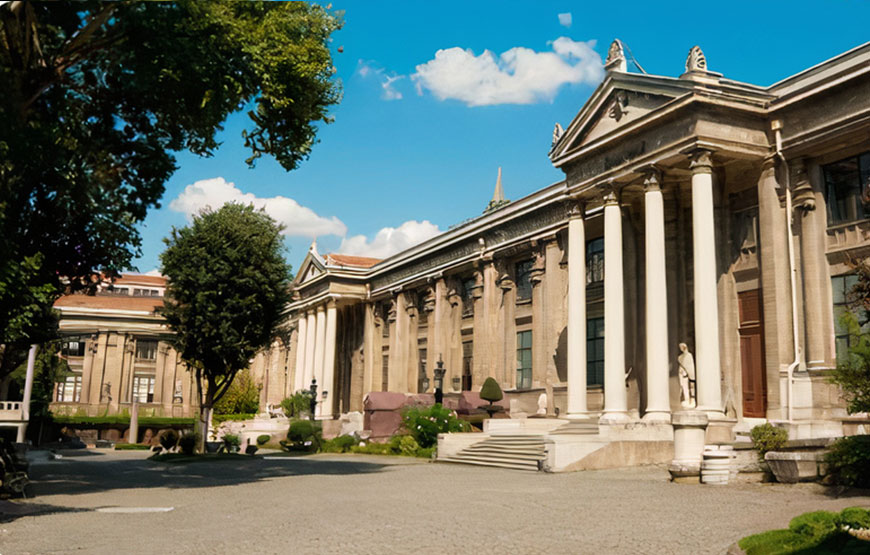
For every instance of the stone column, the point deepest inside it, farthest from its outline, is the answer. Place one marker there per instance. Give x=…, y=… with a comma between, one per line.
x=576, y=313
x=310, y=341
x=319, y=346
x=301, y=340
x=708, y=369
x=327, y=383
x=658, y=406
x=615, y=400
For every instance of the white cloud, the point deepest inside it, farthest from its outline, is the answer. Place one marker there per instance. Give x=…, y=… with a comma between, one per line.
x=389, y=240
x=154, y=272
x=565, y=19
x=366, y=69
x=518, y=76
x=298, y=220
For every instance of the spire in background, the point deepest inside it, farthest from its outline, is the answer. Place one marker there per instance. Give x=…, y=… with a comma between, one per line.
x=498, y=199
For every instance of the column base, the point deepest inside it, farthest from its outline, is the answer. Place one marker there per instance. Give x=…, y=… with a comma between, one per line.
x=578, y=416
x=614, y=418
x=657, y=416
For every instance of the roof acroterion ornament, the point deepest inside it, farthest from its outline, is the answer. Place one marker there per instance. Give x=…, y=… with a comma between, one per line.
x=696, y=61
x=615, y=57
x=498, y=199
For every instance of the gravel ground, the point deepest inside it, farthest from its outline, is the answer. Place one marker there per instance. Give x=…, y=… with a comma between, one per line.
x=367, y=504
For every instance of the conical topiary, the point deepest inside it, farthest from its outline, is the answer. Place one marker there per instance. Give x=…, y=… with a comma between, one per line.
x=491, y=391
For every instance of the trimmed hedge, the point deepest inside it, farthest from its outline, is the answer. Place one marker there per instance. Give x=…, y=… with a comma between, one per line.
x=816, y=532
x=218, y=418
x=124, y=420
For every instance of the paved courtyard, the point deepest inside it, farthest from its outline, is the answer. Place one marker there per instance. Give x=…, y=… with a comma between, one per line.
x=363, y=504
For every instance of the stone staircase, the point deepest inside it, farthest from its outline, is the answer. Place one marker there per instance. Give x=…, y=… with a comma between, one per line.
x=577, y=427
x=516, y=451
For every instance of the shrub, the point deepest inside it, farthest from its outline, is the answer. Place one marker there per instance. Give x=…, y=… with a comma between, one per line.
x=849, y=461
x=424, y=424
x=854, y=517
x=131, y=447
x=188, y=442
x=263, y=439
x=341, y=444
x=767, y=437
x=373, y=449
x=408, y=446
x=817, y=524
x=218, y=419
x=303, y=435
x=168, y=439
x=242, y=397
x=232, y=442
x=297, y=404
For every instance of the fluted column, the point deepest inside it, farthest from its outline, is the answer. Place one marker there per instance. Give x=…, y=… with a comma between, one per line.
x=708, y=368
x=319, y=347
x=301, y=339
x=615, y=401
x=576, y=314
x=658, y=406
x=310, y=341
x=327, y=382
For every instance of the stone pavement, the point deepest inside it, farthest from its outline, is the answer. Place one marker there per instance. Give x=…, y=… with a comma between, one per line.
x=366, y=504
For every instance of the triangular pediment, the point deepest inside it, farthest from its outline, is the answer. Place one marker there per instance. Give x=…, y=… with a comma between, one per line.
x=311, y=267
x=622, y=98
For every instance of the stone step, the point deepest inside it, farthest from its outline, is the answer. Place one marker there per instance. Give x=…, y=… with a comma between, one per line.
x=511, y=443
x=533, y=465
x=485, y=451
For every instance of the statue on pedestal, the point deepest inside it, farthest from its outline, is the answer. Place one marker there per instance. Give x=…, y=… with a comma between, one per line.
x=687, y=376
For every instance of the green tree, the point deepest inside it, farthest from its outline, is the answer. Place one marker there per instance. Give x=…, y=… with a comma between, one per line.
x=228, y=284
x=97, y=97
x=853, y=374
x=242, y=397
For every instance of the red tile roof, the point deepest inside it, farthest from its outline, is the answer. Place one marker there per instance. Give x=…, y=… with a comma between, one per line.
x=141, y=279
x=348, y=260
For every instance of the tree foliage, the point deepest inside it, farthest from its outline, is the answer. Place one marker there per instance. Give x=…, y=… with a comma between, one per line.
x=228, y=285
x=242, y=396
x=96, y=99
x=853, y=373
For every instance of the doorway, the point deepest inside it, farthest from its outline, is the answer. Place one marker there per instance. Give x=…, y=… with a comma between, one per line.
x=752, y=366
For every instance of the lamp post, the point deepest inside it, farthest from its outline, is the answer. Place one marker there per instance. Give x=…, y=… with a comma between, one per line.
x=439, y=372
x=313, y=391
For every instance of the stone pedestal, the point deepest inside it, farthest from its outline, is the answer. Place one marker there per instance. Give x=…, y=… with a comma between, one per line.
x=720, y=430
x=689, y=431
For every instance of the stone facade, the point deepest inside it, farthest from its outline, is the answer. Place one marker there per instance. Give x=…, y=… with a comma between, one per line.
x=712, y=202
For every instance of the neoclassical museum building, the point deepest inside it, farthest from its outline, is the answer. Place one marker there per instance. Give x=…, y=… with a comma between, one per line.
x=695, y=210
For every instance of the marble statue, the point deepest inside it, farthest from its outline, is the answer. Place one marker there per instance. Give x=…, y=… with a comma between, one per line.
x=687, y=375
x=542, y=404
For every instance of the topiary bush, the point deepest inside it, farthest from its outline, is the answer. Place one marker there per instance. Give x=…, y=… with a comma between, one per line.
x=425, y=423
x=491, y=391
x=816, y=532
x=188, y=442
x=767, y=437
x=854, y=517
x=232, y=443
x=303, y=435
x=168, y=439
x=817, y=524
x=263, y=439
x=848, y=461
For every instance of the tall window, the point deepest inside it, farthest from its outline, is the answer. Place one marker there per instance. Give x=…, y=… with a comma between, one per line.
x=69, y=390
x=73, y=347
x=595, y=261
x=847, y=188
x=468, y=286
x=385, y=373
x=524, y=280
x=842, y=287
x=524, y=360
x=146, y=349
x=467, y=364
x=143, y=388
x=421, y=372
x=595, y=351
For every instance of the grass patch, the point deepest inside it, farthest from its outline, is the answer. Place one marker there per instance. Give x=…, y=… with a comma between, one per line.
x=819, y=532
x=131, y=447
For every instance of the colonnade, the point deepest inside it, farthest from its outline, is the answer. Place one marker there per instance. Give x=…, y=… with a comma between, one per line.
x=315, y=354
x=708, y=370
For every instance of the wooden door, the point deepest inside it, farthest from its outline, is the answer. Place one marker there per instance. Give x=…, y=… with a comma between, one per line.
x=752, y=354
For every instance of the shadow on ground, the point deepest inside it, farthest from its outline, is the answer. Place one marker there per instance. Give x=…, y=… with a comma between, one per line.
x=10, y=510
x=73, y=477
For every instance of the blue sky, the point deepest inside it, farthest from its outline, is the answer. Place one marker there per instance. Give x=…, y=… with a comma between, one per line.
x=419, y=135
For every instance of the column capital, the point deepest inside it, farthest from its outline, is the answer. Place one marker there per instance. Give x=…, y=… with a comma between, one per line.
x=321, y=307
x=610, y=197
x=576, y=209
x=652, y=182
x=701, y=160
